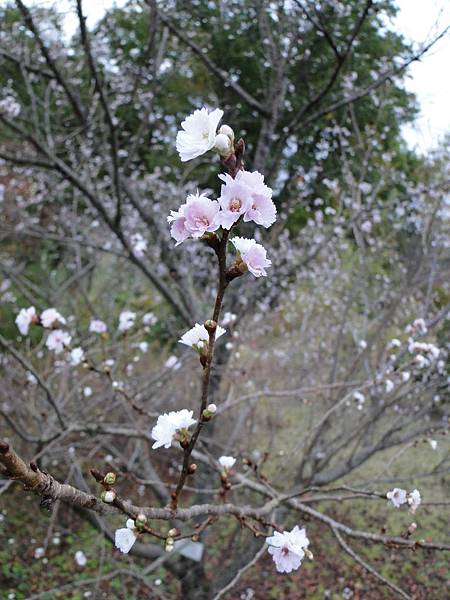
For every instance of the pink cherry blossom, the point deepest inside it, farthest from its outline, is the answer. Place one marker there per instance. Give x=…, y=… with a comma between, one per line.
x=235, y=200
x=58, y=340
x=288, y=549
x=194, y=218
x=262, y=210
x=97, y=326
x=253, y=255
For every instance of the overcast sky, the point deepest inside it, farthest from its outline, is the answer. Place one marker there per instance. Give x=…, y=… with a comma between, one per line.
x=418, y=20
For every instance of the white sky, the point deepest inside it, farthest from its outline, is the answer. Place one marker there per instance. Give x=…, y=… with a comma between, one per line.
x=429, y=79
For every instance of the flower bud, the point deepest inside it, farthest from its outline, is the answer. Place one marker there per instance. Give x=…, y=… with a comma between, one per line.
x=209, y=412
x=109, y=496
x=412, y=528
x=172, y=532
x=192, y=469
x=201, y=345
x=169, y=547
x=109, y=478
x=210, y=325
x=141, y=519
x=223, y=145
x=309, y=554
x=226, y=130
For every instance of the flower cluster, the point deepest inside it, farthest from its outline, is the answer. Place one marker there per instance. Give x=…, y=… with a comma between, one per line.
x=57, y=340
x=288, y=549
x=243, y=197
x=424, y=354
x=398, y=497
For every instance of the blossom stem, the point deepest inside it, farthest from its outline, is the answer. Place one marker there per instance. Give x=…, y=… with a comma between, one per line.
x=220, y=250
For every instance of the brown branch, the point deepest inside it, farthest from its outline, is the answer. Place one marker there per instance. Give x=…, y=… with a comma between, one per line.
x=215, y=70
x=73, y=178
x=74, y=100
x=109, y=120
x=51, y=490
x=25, y=66
x=28, y=367
x=368, y=567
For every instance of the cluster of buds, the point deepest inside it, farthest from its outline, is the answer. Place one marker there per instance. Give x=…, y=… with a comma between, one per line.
x=224, y=142
x=107, y=481
x=227, y=463
x=170, y=541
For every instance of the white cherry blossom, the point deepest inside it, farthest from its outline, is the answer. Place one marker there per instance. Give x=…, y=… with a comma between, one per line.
x=198, y=133
x=397, y=496
x=124, y=538
x=50, y=316
x=58, y=340
x=414, y=500
x=126, y=320
x=198, y=336
x=25, y=318
x=76, y=356
x=80, y=558
x=227, y=462
x=168, y=424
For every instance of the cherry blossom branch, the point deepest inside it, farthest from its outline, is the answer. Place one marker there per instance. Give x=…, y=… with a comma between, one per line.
x=220, y=248
x=51, y=490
